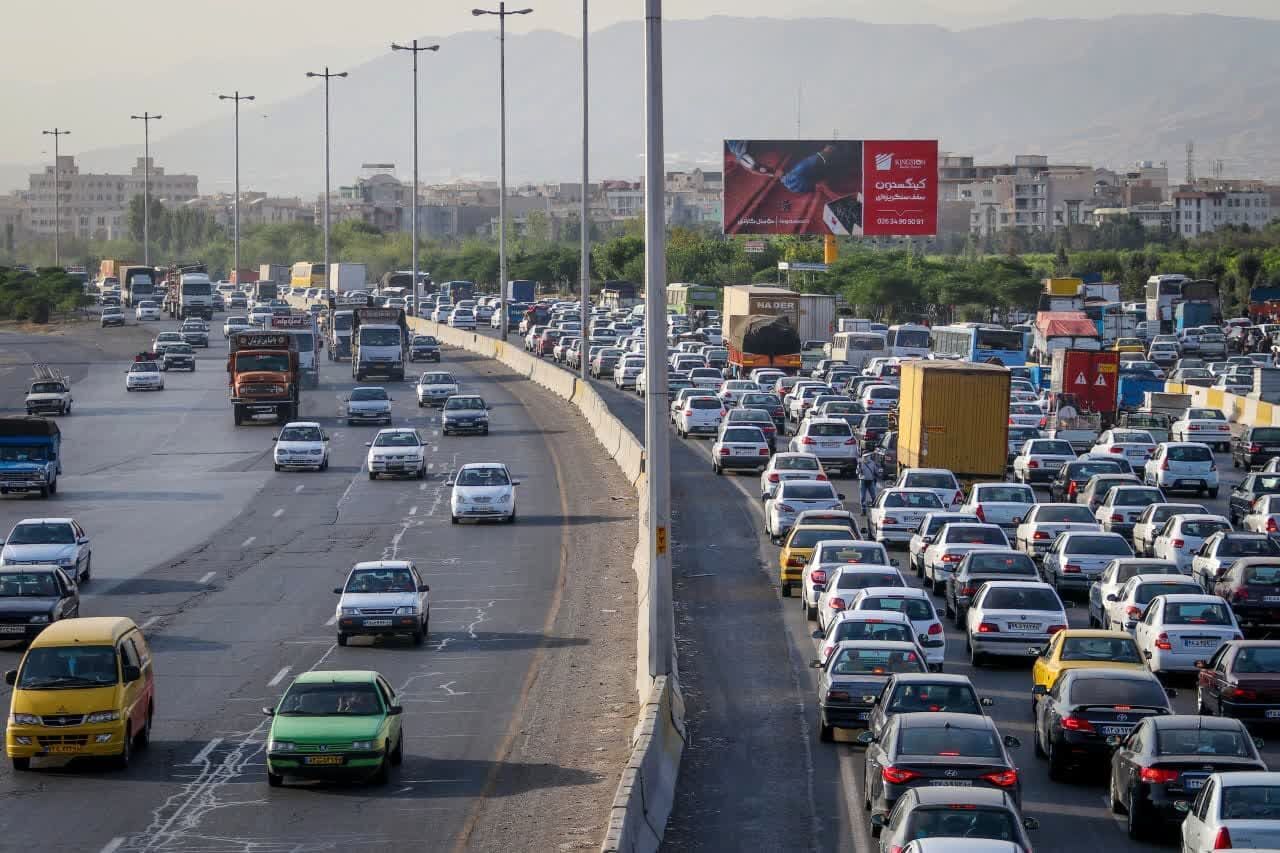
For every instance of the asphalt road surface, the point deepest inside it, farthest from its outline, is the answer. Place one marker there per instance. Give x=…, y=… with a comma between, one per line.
x=754, y=775
x=229, y=567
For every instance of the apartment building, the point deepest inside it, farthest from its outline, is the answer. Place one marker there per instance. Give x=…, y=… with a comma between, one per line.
x=95, y=206
x=1201, y=212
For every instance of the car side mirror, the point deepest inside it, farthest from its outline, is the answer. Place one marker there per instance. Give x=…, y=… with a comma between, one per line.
x=391, y=399
x=325, y=437
x=270, y=712
x=1171, y=692
x=395, y=711
x=1030, y=824
x=130, y=673
x=1012, y=742
x=986, y=701
x=879, y=820
x=337, y=590
x=368, y=444
x=1113, y=597
x=515, y=482
x=424, y=587
x=448, y=482
x=815, y=664
x=894, y=562
x=866, y=738
x=1039, y=690
x=1202, y=664
x=1181, y=806
x=840, y=496
x=11, y=677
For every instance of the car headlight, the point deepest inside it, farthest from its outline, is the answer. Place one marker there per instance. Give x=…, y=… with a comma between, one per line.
x=316, y=451
x=38, y=620
x=411, y=610
x=102, y=717
x=503, y=499
x=65, y=561
x=350, y=611
x=24, y=720
x=362, y=744
x=281, y=746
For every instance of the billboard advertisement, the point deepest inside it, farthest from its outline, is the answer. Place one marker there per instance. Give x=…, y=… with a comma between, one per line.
x=841, y=187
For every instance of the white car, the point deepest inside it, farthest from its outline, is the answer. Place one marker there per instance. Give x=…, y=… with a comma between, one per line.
x=1125, y=606
x=943, y=555
x=434, y=387
x=383, y=597
x=1152, y=520
x=826, y=556
x=789, y=466
x=441, y=313
x=731, y=390
x=1115, y=576
x=1119, y=510
x=1010, y=618
x=462, y=318
x=482, y=490
x=1207, y=426
x=164, y=339
x=940, y=481
x=628, y=370
x=301, y=444
x=830, y=439
x=1184, y=534
x=1182, y=466
x=1043, y=522
x=260, y=315
x=1179, y=630
x=844, y=582
x=1263, y=516
x=890, y=625
x=397, y=452
x=738, y=447
x=1221, y=551
x=146, y=310
x=897, y=514
x=707, y=378
x=1005, y=504
x=368, y=404
x=878, y=398
x=1237, y=809
x=58, y=542
x=234, y=324
x=1026, y=415
x=144, y=376
x=1076, y=558
x=701, y=415
x=1136, y=445
x=794, y=496
x=925, y=533
x=918, y=608
x=1040, y=460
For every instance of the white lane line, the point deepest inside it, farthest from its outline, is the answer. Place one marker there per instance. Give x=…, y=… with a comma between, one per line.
x=246, y=543
x=279, y=676
x=422, y=487
x=153, y=620
x=208, y=576
x=413, y=510
x=435, y=449
x=332, y=619
x=278, y=513
x=113, y=845
x=431, y=465
x=203, y=755
x=298, y=488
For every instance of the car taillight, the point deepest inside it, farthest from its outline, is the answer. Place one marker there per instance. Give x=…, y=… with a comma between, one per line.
x=1115, y=450
x=807, y=440
x=818, y=575
x=774, y=478
x=1271, y=525
x=795, y=561
x=1193, y=427
x=1040, y=535
x=1240, y=594
x=724, y=451
x=959, y=498
x=1115, y=517
x=1002, y=778
x=688, y=412
x=1133, y=611
x=897, y=775
x=1053, y=629
x=988, y=628
x=1164, y=466
x=1255, y=448
x=1244, y=693
x=1011, y=420
x=764, y=451
x=1222, y=841
x=1043, y=422
x=951, y=558
x=1033, y=463
x=982, y=516
x=1162, y=642
x=1072, y=488
x=838, y=695
x=1077, y=724
x=935, y=628
x=1071, y=569
x=1178, y=543
x=1158, y=775
x=851, y=441
x=821, y=477
x=836, y=604
x=968, y=590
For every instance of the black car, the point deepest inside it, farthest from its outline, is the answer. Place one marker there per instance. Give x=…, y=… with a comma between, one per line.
x=1166, y=760
x=424, y=348
x=197, y=337
x=178, y=357
x=1077, y=719
x=1250, y=489
x=977, y=568
x=1074, y=476
x=886, y=454
x=947, y=812
x=936, y=749
x=853, y=677
x=33, y=596
x=931, y=693
x=873, y=427
x=1255, y=446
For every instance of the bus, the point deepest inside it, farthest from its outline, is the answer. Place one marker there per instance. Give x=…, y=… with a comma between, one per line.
x=908, y=340
x=857, y=348
x=688, y=298
x=306, y=274
x=977, y=342
x=1163, y=292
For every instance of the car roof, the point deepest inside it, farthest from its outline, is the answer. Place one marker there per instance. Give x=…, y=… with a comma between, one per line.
x=900, y=591
x=944, y=719
x=501, y=465
x=381, y=564
x=1016, y=584
x=932, y=678
x=886, y=645
x=812, y=525
x=1192, y=598
x=368, y=388
x=1178, y=578
x=315, y=424
x=1110, y=674
x=397, y=429
x=1183, y=517
x=44, y=521
x=84, y=629
x=930, y=471
x=1239, y=777
x=1196, y=721
x=870, y=615
x=336, y=676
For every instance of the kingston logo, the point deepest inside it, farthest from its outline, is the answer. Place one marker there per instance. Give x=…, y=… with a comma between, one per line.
x=884, y=162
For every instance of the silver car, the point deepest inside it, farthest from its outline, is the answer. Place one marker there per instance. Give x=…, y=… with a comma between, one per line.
x=368, y=404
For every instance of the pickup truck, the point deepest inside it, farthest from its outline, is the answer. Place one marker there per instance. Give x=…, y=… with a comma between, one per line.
x=30, y=455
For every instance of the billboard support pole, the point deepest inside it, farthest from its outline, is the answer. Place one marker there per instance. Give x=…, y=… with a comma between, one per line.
x=830, y=249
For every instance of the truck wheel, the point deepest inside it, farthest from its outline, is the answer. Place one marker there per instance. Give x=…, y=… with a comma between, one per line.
x=44, y=491
x=53, y=487
x=235, y=413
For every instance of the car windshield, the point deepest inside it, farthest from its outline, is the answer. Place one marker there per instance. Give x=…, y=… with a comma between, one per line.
x=1117, y=691
x=795, y=463
x=948, y=740
x=1200, y=741
x=1016, y=598
x=436, y=379
x=330, y=700
x=483, y=477
x=962, y=820
x=42, y=533
x=1052, y=448
x=47, y=388
x=468, y=403
x=1136, y=497
x=1203, y=529
x=840, y=430
x=921, y=480
x=752, y=435
x=867, y=629
x=806, y=491
x=1257, y=659
x=809, y=537
x=17, y=453
x=915, y=697
x=380, y=337
x=1105, y=545
x=381, y=580
x=1261, y=575
x=915, y=500
x=270, y=362
x=1071, y=514
x=1247, y=546
x=28, y=585
x=358, y=394
x=1196, y=613
x=309, y=433
x=866, y=580
x=874, y=661
x=973, y=534
x=152, y=367
x=1118, y=649
x=916, y=609
x=1190, y=453
x=1128, y=570
x=399, y=438
x=68, y=667
x=999, y=563
x=1205, y=415
x=1250, y=802
x=869, y=552
x=1007, y=494
x=424, y=340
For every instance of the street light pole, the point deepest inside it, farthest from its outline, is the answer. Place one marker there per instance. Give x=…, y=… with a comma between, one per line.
x=146, y=119
x=584, y=221
x=327, y=75
x=502, y=14
x=656, y=432
x=237, y=97
x=57, y=197
x=417, y=289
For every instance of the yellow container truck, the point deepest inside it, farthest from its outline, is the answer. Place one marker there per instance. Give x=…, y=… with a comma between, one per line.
x=954, y=415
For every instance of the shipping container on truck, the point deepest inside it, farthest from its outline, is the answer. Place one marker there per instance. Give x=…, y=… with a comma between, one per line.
x=349, y=277
x=1062, y=286
x=245, y=276
x=620, y=295
x=306, y=274
x=281, y=274
x=1189, y=315
x=265, y=291
x=954, y=415
x=817, y=317
x=1092, y=376
x=138, y=283
x=110, y=268
x=456, y=291
x=521, y=290
x=743, y=300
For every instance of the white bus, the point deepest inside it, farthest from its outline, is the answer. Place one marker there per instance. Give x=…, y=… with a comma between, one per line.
x=908, y=340
x=1163, y=292
x=857, y=348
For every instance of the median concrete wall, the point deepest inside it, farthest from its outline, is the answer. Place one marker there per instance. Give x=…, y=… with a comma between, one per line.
x=1237, y=407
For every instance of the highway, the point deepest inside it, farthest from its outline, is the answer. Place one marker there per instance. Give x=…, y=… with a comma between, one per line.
x=754, y=770
x=520, y=704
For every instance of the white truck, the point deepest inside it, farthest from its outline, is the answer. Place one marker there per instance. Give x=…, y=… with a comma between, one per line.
x=346, y=277
x=49, y=392
x=195, y=296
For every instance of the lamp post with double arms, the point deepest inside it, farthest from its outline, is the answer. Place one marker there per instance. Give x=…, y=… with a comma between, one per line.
x=57, y=197
x=327, y=75
x=237, y=97
x=146, y=119
x=413, y=216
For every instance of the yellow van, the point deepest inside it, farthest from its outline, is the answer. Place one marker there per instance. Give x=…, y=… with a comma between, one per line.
x=85, y=689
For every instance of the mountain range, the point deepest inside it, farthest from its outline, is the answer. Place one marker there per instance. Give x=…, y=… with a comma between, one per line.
x=1105, y=91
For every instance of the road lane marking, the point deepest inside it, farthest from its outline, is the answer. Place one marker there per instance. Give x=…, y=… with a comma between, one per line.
x=113, y=845
x=435, y=449
x=413, y=510
x=298, y=488
x=331, y=620
x=153, y=620
x=203, y=755
x=207, y=577
x=422, y=487
x=278, y=513
x=279, y=676
x=246, y=543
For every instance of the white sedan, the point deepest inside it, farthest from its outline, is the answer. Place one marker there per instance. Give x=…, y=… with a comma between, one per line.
x=1136, y=445
x=1179, y=630
x=483, y=490
x=1010, y=618
x=397, y=452
x=1183, y=535
x=1239, y=806
x=792, y=497
x=1115, y=576
x=301, y=444
x=897, y=513
x=234, y=324
x=383, y=597
x=784, y=467
x=144, y=376
x=943, y=556
x=919, y=609
x=146, y=310
x=1263, y=516
x=940, y=481
x=845, y=582
x=1125, y=606
x=1208, y=426
x=435, y=387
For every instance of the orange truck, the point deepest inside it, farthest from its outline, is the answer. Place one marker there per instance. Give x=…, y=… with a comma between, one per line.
x=263, y=375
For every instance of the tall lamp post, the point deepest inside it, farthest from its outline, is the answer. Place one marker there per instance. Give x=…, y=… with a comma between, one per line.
x=146, y=119
x=502, y=14
x=237, y=97
x=57, y=197
x=413, y=216
x=327, y=75
x=584, y=220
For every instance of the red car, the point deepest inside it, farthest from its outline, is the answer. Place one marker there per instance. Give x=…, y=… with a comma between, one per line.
x=1241, y=680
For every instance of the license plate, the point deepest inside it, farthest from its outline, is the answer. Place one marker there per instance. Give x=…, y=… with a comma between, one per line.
x=394, y=466
x=864, y=715
x=742, y=451
x=13, y=629
x=377, y=623
x=829, y=444
x=1271, y=599
x=1201, y=644
x=1115, y=730
x=951, y=783
x=1193, y=784
x=1273, y=714
x=323, y=759
x=1024, y=626
x=62, y=749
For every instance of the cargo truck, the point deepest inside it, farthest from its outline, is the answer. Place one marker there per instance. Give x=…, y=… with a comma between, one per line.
x=263, y=376
x=281, y=274
x=456, y=291
x=349, y=277
x=338, y=333
x=30, y=455
x=1090, y=376
x=954, y=415
x=817, y=317
x=761, y=327
x=265, y=291
x=379, y=343
x=1064, y=330
x=138, y=283
x=195, y=295
x=303, y=327
x=245, y=276
x=521, y=290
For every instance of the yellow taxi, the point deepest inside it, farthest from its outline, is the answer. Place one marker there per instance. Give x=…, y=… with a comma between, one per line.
x=1129, y=345
x=85, y=688
x=798, y=547
x=1077, y=648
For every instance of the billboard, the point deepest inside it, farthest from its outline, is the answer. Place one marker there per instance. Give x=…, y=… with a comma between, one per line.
x=841, y=187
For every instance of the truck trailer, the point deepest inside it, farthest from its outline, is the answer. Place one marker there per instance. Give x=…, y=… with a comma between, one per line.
x=954, y=415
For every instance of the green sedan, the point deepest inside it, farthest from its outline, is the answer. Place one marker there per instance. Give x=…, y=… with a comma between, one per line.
x=335, y=725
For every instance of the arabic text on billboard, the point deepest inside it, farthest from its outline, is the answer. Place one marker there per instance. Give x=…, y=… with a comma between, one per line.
x=842, y=187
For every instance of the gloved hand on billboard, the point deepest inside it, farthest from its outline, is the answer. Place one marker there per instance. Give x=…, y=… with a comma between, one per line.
x=804, y=176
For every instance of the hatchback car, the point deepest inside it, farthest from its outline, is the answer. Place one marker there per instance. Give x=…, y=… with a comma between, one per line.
x=301, y=444
x=483, y=490
x=381, y=598
x=368, y=404
x=1183, y=466
x=784, y=467
x=982, y=820
x=919, y=609
x=700, y=415
x=1178, y=630
x=898, y=513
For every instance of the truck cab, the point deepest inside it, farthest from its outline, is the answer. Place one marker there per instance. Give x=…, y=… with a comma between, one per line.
x=30, y=455
x=303, y=328
x=263, y=375
x=195, y=296
x=379, y=343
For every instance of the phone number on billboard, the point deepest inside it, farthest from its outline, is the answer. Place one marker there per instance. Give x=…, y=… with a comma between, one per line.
x=886, y=220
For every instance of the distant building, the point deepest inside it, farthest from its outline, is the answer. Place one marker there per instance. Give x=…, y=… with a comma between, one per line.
x=95, y=206
x=1199, y=212
x=1154, y=217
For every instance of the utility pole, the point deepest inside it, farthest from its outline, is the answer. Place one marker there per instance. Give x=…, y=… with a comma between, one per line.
x=656, y=432
x=327, y=75
x=146, y=119
x=57, y=197
x=585, y=217
x=413, y=215
x=502, y=14
x=237, y=97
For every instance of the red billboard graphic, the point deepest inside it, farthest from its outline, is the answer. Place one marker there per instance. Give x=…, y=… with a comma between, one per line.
x=826, y=187
x=900, y=187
